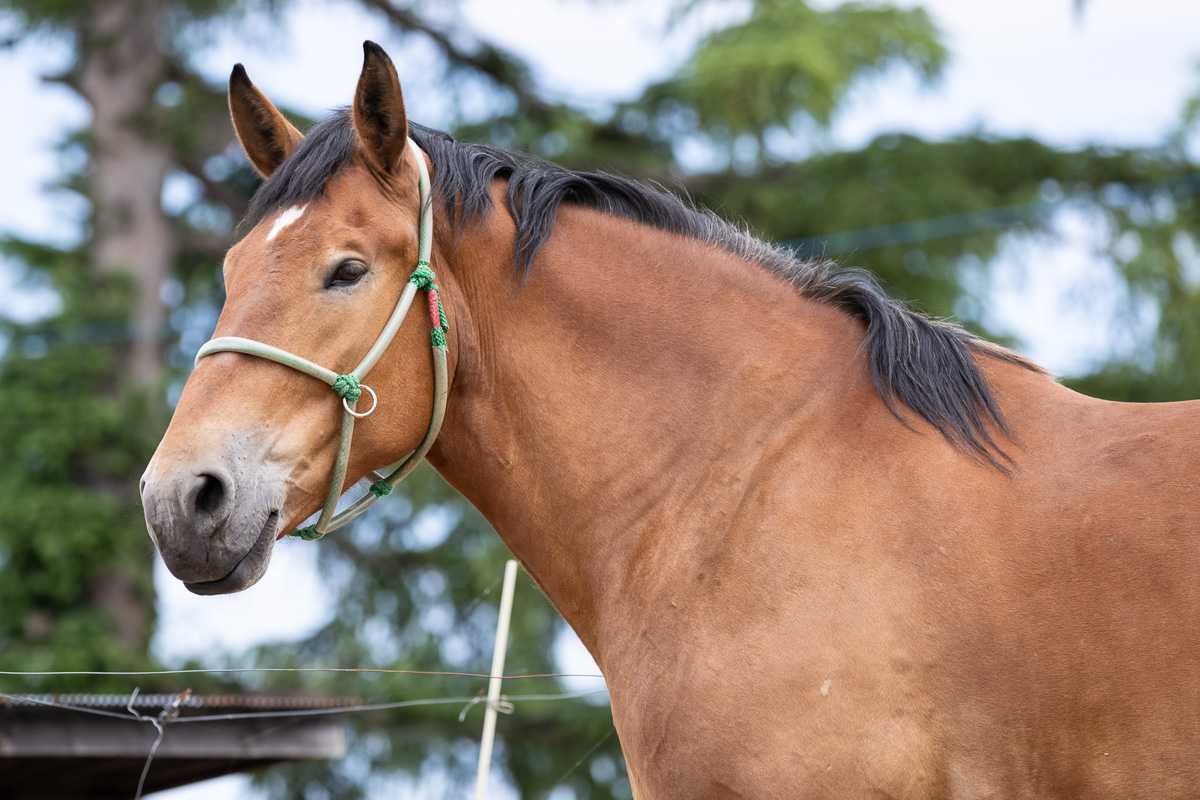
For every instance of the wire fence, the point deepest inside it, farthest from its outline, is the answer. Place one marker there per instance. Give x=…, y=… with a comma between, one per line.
x=986, y=220
x=170, y=714
x=235, y=670
x=176, y=708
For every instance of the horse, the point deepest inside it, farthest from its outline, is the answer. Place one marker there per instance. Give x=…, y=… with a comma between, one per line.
x=820, y=545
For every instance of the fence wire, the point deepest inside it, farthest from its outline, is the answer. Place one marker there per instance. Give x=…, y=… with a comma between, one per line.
x=170, y=714
x=234, y=670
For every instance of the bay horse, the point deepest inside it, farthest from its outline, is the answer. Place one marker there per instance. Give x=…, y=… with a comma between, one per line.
x=821, y=546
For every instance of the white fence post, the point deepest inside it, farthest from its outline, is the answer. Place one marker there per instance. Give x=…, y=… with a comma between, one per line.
x=493, y=695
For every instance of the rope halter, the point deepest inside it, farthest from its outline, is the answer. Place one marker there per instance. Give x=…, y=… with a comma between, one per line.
x=350, y=387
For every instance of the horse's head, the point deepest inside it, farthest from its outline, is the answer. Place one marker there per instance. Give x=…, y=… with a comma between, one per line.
x=251, y=447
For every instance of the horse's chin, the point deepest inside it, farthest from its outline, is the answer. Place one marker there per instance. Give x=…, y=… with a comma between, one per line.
x=248, y=569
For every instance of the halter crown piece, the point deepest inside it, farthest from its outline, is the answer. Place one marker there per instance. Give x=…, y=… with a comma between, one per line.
x=349, y=386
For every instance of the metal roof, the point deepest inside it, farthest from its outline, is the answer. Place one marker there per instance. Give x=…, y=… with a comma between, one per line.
x=147, y=703
x=52, y=753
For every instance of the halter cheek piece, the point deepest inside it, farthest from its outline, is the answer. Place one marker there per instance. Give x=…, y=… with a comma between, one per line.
x=349, y=387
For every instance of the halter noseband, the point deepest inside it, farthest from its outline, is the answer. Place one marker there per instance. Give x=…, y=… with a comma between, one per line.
x=349, y=386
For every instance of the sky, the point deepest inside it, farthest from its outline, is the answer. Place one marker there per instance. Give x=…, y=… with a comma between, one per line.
x=1118, y=75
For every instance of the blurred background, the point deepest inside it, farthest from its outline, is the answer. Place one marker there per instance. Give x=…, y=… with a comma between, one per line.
x=1028, y=168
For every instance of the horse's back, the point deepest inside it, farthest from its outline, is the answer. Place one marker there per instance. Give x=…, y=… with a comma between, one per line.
x=1073, y=668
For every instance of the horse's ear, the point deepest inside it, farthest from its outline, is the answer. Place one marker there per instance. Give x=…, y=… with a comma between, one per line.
x=379, y=116
x=265, y=135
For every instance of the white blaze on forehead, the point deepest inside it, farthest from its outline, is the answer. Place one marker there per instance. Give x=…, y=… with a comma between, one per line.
x=284, y=219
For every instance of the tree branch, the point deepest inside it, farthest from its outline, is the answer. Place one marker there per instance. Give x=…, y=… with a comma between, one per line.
x=491, y=61
x=216, y=191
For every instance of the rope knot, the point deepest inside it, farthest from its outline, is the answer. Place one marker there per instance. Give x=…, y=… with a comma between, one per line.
x=423, y=276
x=347, y=388
x=381, y=488
x=309, y=534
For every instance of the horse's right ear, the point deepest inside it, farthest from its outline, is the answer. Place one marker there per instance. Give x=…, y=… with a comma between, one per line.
x=379, y=116
x=266, y=136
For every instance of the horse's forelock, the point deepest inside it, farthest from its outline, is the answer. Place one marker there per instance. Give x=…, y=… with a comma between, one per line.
x=326, y=150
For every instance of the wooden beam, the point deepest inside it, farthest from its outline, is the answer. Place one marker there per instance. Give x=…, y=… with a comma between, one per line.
x=69, y=757
x=312, y=737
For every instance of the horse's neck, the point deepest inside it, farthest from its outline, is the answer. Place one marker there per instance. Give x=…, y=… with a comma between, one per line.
x=609, y=411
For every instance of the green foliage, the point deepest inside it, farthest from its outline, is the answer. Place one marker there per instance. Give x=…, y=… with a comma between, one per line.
x=913, y=211
x=789, y=62
x=574, y=139
x=1154, y=246
x=66, y=435
x=39, y=14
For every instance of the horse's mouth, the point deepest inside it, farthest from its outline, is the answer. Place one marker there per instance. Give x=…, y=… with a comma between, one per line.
x=248, y=569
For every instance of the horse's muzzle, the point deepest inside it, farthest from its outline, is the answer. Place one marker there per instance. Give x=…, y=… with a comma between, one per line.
x=213, y=527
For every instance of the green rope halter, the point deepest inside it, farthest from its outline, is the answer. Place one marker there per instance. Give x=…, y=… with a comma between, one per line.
x=349, y=386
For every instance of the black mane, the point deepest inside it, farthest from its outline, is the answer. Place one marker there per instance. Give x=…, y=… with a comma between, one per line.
x=925, y=364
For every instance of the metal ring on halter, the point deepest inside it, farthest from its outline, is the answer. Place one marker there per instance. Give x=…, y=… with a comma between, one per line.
x=369, y=411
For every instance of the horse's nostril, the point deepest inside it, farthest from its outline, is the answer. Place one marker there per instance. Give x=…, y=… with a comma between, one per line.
x=211, y=494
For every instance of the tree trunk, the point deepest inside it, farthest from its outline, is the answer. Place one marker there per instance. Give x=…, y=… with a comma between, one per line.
x=121, y=65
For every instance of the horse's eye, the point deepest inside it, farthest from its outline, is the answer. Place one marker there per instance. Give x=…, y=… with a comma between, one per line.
x=346, y=273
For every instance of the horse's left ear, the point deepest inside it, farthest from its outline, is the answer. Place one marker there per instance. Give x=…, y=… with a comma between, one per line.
x=266, y=136
x=379, y=116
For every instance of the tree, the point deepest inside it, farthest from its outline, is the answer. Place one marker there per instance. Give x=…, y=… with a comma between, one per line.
x=75, y=453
